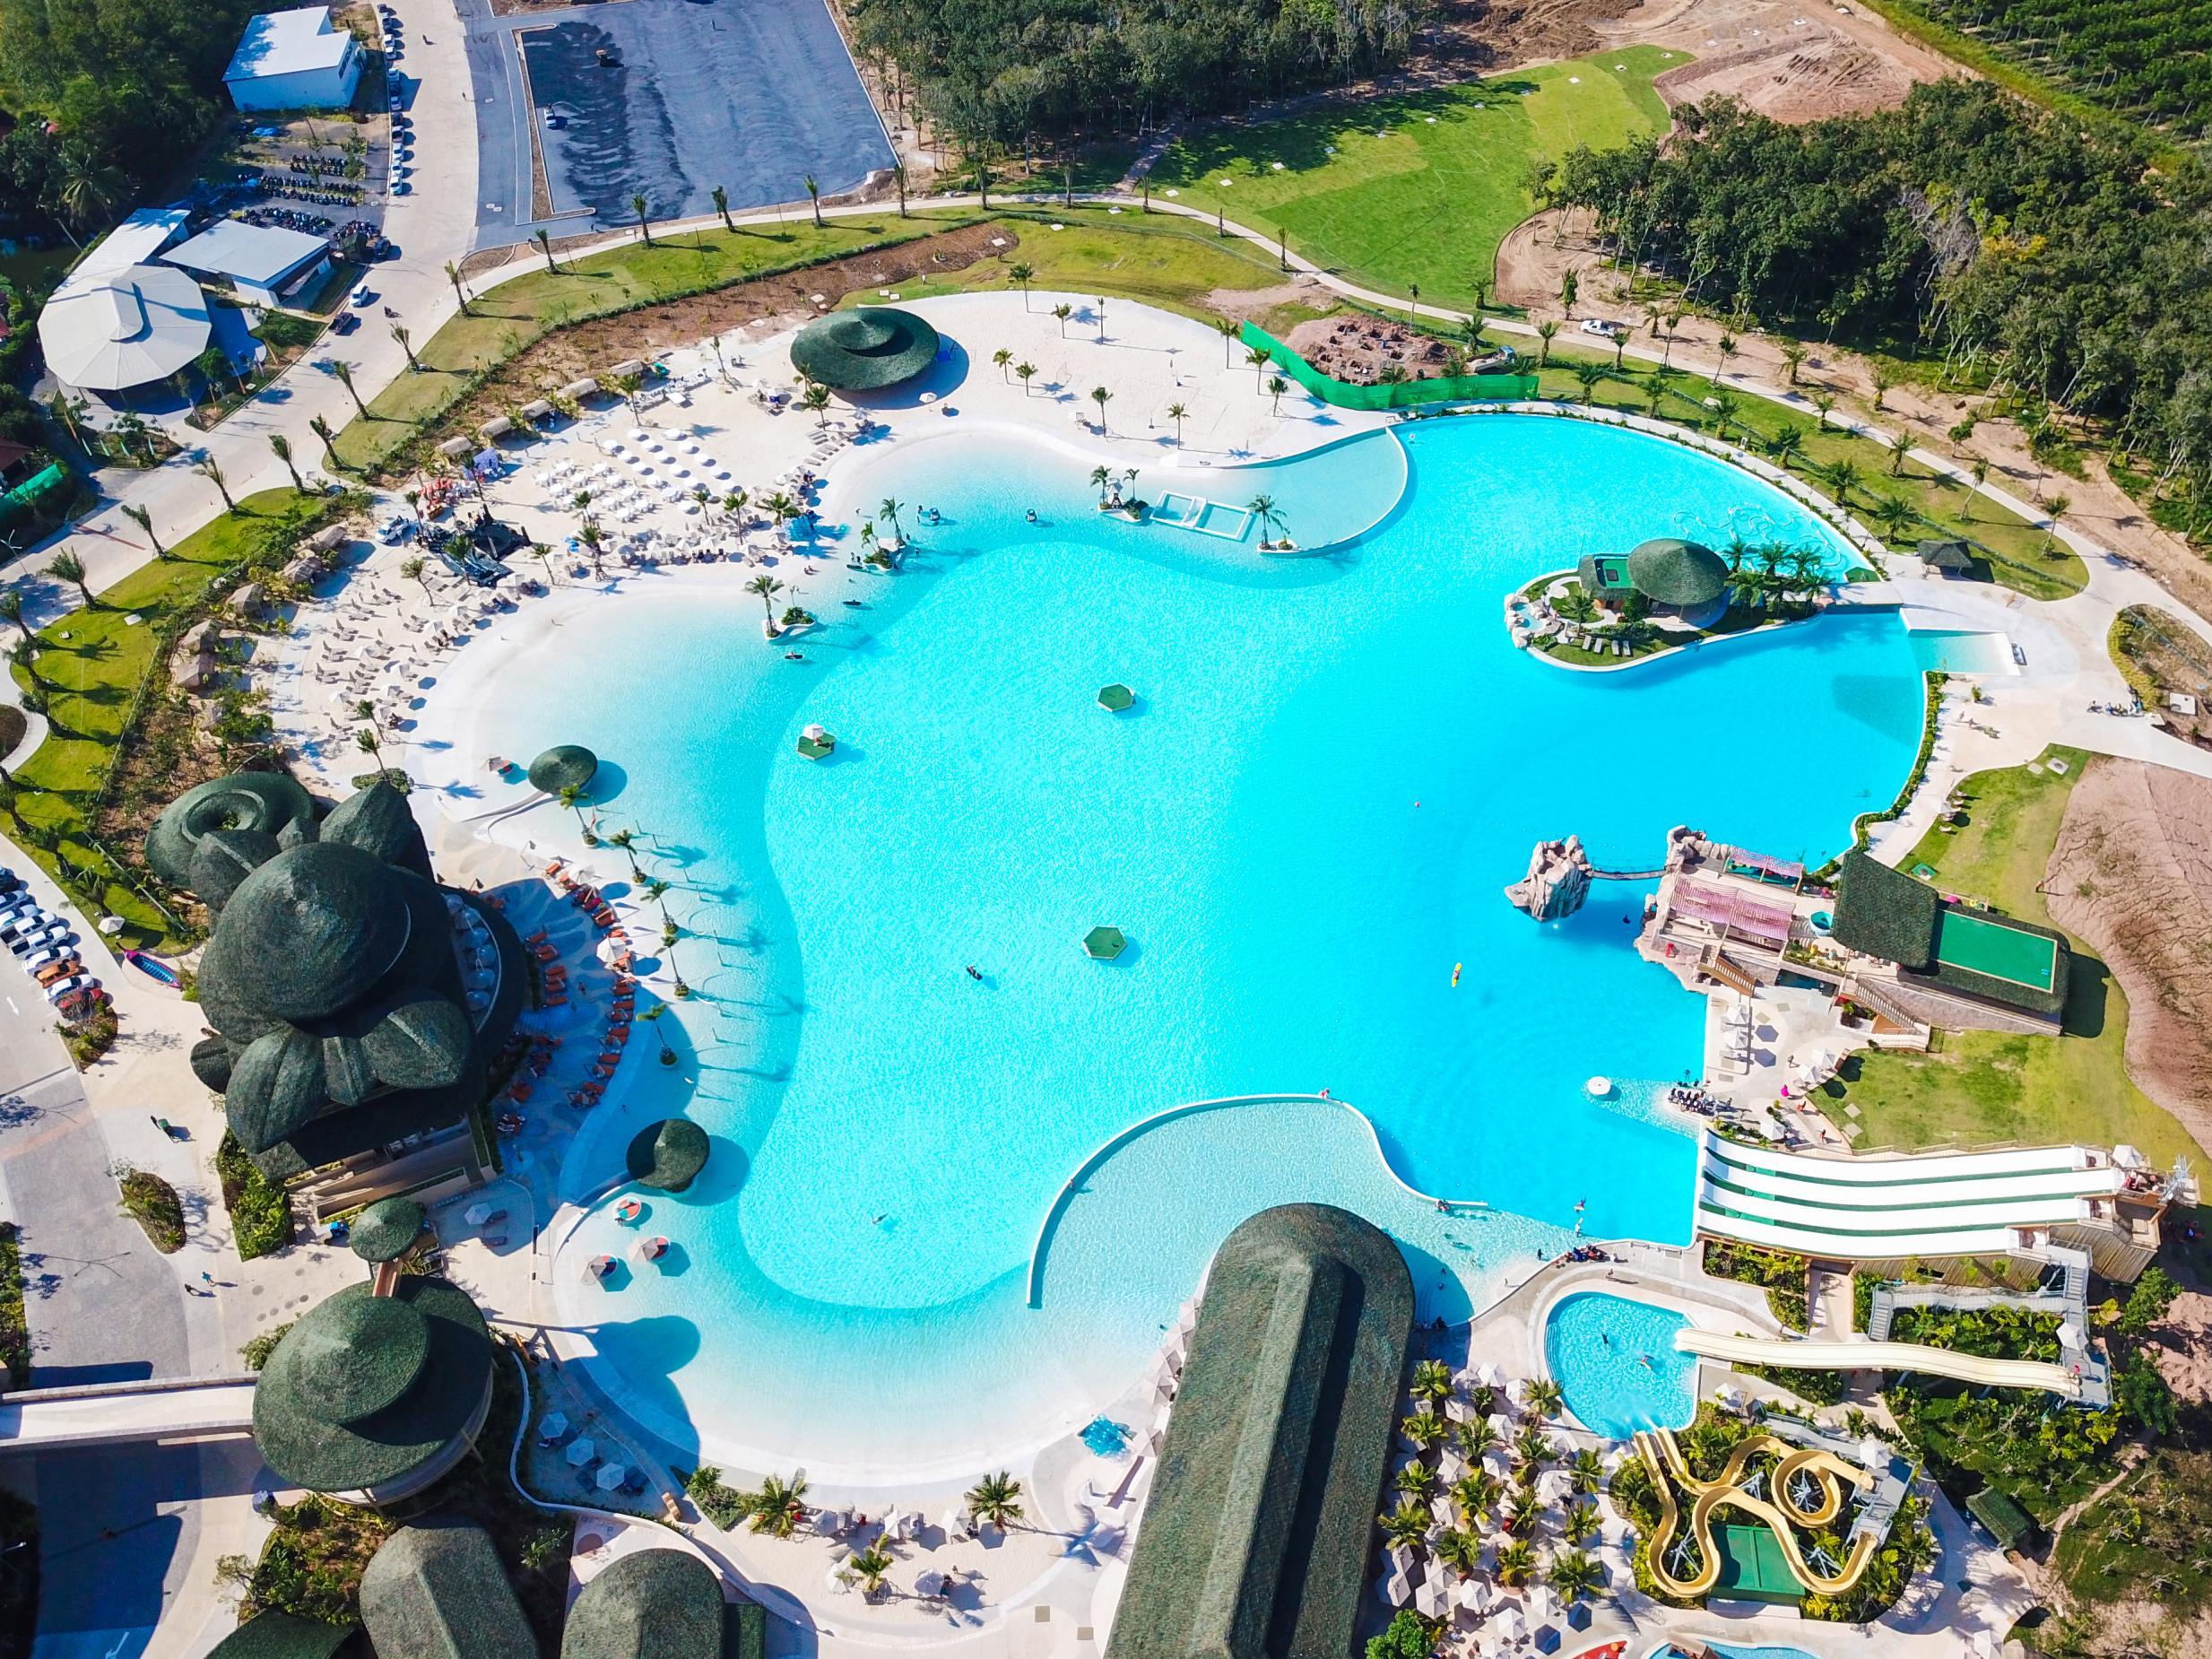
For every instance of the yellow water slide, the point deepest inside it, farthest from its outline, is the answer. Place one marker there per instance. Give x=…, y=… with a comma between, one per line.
x=1782, y=1515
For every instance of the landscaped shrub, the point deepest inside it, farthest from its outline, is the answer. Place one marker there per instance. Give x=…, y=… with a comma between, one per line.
x=15, y=1326
x=257, y=1349
x=261, y=1211
x=724, y=1506
x=153, y=1204
x=1779, y=1274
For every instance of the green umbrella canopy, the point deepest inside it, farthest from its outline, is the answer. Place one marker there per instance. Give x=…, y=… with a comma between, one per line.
x=1117, y=699
x=668, y=1155
x=386, y=1230
x=647, y=1604
x=269, y=802
x=1673, y=572
x=1105, y=944
x=566, y=765
x=864, y=350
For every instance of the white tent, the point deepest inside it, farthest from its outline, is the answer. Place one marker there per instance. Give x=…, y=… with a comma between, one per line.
x=581, y=1451
x=1427, y=1601
x=124, y=328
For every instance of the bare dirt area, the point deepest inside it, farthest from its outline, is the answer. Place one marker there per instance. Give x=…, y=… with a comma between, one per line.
x=1368, y=350
x=2131, y=874
x=1795, y=60
x=1480, y=34
x=1541, y=250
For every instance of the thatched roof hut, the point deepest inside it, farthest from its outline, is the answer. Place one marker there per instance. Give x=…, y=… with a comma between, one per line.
x=668, y=1155
x=273, y=1634
x=269, y=802
x=437, y=1590
x=1255, y=1535
x=387, y=1230
x=1686, y=576
x=648, y=1605
x=864, y=350
x=565, y=766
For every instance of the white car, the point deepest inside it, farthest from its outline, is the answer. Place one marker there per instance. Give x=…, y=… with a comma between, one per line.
x=62, y=990
x=361, y=295
x=40, y=939
x=45, y=958
x=1600, y=327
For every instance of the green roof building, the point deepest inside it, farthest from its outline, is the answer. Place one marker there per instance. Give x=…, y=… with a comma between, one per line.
x=372, y=1398
x=1885, y=913
x=863, y=350
x=650, y=1605
x=435, y=1590
x=386, y=1230
x=1674, y=576
x=668, y=1155
x=1255, y=1539
x=272, y=1634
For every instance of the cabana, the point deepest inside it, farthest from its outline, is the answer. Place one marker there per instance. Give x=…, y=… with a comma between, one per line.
x=1760, y=867
x=1730, y=910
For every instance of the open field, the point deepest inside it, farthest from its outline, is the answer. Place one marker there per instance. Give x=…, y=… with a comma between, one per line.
x=1419, y=188
x=1982, y=1086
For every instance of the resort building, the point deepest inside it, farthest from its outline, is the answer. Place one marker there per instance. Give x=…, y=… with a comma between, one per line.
x=265, y=264
x=358, y=1006
x=1884, y=1213
x=666, y=1604
x=438, y=1590
x=1673, y=576
x=865, y=349
x=119, y=321
x=294, y=60
x=1946, y=953
x=1254, y=1539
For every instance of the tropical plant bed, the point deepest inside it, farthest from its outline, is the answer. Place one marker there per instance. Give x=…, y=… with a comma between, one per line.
x=153, y=1204
x=261, y=1212
x=14, y=1324
x=1779, y=1274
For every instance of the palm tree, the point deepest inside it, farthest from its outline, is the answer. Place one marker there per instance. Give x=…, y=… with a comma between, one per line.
x=1475, y=1494
x=1418, y=1479
x=720, y=199
x=1276, y=386
x=1022, y=371
x=1570, y=289
x=1408, y=1524
x=1726, y=346
x=638, y=205
x=652, y=1017
x=323, y=430
x=544, y=240
x=626, y=839
x=343, y=372
x=67, y=567
x=1228, y=329
x=1019, y=275
x=406, y=344
x=1581, y=1525
x=1459, y=1551
x=899, y=178
x=1589, y=376
x=572, y=797
x=1064, y=311
x=1793, y=352
x=1532, y=1446
x=209, y=470
x=1980, y=472
x=2055, y=509
x=1893, y=515
x=868, y=1566
x=453, y=275
x=814, y=195
x=1883, y=380
x=1101, y=396
x=282, y=445
x=1475, y=1438
x=1787, y=444
x=1099, y=477
x=1256, y=360
x=1262, y=508
x=1822, y=403
x=1544, y=331
x=1413, y=300
x=1003, y=360
x=12, y=611
x=1424, y=1428
x=768, y=587
x=657, y=891
x=1841, y=477
x=1724, y=412
x=817, y=398
x=995, y=1499
x=1544, y=1397
x=1176, y=412
x=1432, y=1380
x=1516, y=1563
x=778, y=1505
x=1574, y=1574
x=365, y=740
x=88, y=191
x=887, y=510
x=143, y=519
x=1586, y=1469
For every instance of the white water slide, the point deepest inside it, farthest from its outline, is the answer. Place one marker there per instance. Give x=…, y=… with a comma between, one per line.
x=2056, y=1380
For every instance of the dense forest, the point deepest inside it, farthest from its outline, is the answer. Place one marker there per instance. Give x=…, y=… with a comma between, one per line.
x=2152, y=61
x=1966, y=225
x=111, y=96
x=1003, y=74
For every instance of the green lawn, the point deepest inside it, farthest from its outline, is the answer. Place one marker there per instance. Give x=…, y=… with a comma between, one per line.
x=1981, y=1086
x=1418, y=188
x=90, y=663
x=1157, y=258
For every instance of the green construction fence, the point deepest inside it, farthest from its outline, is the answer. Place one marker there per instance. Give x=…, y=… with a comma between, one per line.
x=1396, y=395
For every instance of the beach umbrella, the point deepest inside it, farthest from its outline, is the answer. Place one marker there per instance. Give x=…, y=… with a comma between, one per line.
x=1398, y=1589
x=1450, y=1465
x=599, y=1267
x=552, y=1426
x=1498, y=1464
x=1543, y=1605
x=612, y=1476
x=1488, y=1374
x=652, y=1249
x=953, y=1523
x=932, y=1583
x=1508, y=1624
x=1554, y=1485
x=1474, y=1594
x=837, y=1583
x=1501, y=1423
x=1442, y=1511
x=581, y=1451
x=1874, y=1453
x=1401, y=1557
x=1427, y=1601
x=476, y=1215
x=1741, y=1014
x=1984, y=1645
x=1458, y=1411
x=1517, y=1390
x=826, y=1523
x=629, y=1211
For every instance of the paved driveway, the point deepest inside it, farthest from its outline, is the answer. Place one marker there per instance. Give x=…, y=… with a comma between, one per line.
x=752, y=95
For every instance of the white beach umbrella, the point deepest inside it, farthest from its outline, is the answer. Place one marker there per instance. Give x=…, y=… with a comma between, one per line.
x=552, y=1426
x=612, y=1476
x=1740, y=1013
x=1397, y=1589
x=1874, y=1453
x=954, y=1523
x=581, y=1451
x=1554, y=1485
x=1450, y=1465
x=476, y=1215
x=1487, y=1374
x=1400, y=1559
x=837, y=1582
x=1517, y=1390
x=1498, y=1464
x=826, y=1523
x=1442, y=1511
x=1502, y=1423
x=1457, y=1411
x=1472, y=1593
x=1427, y=1601
x=932, y=1583
x=1984, y=1645
x=1543, y=1606
x=1508, y=1623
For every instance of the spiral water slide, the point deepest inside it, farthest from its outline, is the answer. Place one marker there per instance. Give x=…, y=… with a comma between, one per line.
x=1829, y=1473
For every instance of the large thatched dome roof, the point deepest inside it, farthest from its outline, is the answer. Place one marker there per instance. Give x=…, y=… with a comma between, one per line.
x=1671, y=571
x=386, y=1230
x=648, y=1605
x=437, y=1590
x=269, y=802
x=668, y=1155
x=308, y=932
x=864, y=350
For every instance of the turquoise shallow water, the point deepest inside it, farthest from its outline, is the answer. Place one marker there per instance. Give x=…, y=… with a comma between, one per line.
x=1334, y=764
x=1615, y=1360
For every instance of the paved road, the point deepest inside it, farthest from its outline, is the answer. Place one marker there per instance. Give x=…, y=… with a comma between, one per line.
x=752, y=95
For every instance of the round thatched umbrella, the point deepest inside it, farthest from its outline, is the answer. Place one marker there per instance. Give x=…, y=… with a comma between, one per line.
x=668, y=1155
x=864, y=350
x=1105, y=944
x=1685, y=575
x=387, y=1230
x=566, y=765
x=1117, y=699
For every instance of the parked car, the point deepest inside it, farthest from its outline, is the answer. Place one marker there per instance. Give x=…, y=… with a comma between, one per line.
x=29, y=919
x=76, y=985
x=41, y=938
x=361, y=294
x=1597, y=326
x=65, y=964
x=395, y=529
x=345, y=323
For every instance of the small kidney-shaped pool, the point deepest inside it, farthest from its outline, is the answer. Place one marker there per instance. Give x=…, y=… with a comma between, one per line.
x=1616, y=1362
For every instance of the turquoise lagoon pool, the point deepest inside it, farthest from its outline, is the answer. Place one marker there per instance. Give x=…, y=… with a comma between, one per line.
x=1334, y=764
x=1615, y=1360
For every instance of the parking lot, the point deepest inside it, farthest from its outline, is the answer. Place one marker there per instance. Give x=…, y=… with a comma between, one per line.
x=752, y=96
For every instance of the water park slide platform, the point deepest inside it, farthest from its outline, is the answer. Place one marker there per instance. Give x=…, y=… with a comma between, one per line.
x=1883, y=1356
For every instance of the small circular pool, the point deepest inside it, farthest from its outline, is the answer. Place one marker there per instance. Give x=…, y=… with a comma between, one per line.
x=1615, y=1360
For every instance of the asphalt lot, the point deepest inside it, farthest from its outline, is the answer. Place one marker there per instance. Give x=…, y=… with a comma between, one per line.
x=752, y=95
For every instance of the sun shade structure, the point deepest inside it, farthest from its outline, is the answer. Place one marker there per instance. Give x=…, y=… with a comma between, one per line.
x=387, y=1230
x=125, y=328
x=648, y=1605
x=864, y=350
x=1254, y=1543
x=1685, y=575
x=1105, y=944
x=1117, y=699
x=668, y=1155
x=375, y=1395
x=566, y=765
x=435, y=1590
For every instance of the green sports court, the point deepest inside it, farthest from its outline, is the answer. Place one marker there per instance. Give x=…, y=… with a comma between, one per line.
x=1981, y=945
